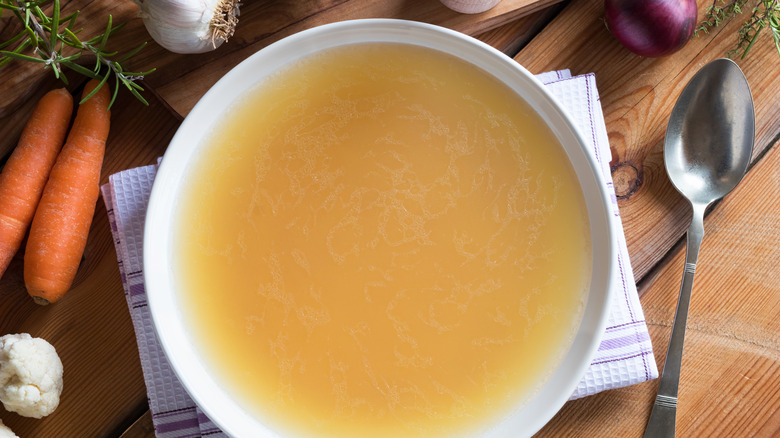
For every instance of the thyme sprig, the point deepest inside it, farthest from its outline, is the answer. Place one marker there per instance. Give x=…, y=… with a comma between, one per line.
x=765, y=14
x=52, y=40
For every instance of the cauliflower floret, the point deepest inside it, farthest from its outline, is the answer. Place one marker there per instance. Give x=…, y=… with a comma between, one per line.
x=30, y=375
x=6, y=432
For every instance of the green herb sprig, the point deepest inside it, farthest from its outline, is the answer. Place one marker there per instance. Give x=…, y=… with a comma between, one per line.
x=53, y=40
x=765, y=14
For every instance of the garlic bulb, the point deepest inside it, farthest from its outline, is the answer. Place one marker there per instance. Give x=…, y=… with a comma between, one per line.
x=189, y=26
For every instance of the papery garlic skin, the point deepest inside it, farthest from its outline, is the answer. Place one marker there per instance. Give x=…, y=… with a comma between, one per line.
x=189, y=26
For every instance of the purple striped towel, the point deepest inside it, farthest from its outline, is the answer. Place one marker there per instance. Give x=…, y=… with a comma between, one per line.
x=625, y=356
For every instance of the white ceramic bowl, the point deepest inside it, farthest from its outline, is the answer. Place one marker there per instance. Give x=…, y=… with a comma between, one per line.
x=159, y=252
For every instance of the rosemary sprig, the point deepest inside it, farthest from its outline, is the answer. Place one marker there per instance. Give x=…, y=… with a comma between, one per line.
x=765, y=14
x=52, y=40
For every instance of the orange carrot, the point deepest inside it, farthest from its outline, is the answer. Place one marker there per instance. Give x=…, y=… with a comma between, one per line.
x=27, y=169
x=59, y=230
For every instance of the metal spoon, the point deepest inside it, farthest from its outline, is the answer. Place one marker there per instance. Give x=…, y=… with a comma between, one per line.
x=707, y=150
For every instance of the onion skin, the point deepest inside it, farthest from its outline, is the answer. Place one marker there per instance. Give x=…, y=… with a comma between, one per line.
x=651, y=28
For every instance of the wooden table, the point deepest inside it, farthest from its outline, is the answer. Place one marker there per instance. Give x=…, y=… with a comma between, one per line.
x=731, y=369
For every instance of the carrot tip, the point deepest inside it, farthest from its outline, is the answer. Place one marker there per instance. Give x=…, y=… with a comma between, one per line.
x=40, y=300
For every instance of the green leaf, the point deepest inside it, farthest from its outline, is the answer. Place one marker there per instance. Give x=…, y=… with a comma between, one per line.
x=13, y=40
x=72, y=40
x=5, y=60
x=94, y=40
x=116, y=91
x=63, y=78
x=116, y=28
x=55, y=23
x=21, y=47
x=18, y=14
x=71, y=57
x=137, y=95
x=95, y=52
x=752, y=40
x=11, y=7
x=97, y=88
x=25, y=44
x=38, y=12
x=774, y=25
x=71, y=19
x=131, y=53
x=21, y=57
x=105, y=35
x=81, y=69
x=133, y=84
x=144, y=73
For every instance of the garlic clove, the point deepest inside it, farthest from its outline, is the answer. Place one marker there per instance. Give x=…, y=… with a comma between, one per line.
x=190, y=26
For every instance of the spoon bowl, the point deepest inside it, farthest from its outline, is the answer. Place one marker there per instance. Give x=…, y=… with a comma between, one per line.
x=709, y=141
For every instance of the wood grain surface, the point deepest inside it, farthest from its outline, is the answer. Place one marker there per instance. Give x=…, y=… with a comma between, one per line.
x=731, y=367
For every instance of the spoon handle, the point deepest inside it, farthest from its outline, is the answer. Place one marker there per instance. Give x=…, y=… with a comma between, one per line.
x=662, y=417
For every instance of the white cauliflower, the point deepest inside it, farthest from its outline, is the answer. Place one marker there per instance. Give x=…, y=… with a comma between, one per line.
x=30, y=375
x=6, y=432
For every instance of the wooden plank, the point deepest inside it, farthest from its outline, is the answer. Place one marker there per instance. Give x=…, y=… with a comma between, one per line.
x=182, y=79
x=731, y=365
x=511, y=37
x=91, y=327
x=142, y=428
x=637, y=95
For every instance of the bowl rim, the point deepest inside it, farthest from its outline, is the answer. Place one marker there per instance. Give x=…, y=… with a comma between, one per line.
x=158, y=273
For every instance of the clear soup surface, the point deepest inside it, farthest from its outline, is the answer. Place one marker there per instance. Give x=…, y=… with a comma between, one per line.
x=382, y=240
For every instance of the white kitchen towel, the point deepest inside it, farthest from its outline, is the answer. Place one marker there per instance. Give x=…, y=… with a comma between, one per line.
x=624, y=356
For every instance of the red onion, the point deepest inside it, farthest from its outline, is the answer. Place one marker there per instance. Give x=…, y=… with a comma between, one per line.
x=651, y=28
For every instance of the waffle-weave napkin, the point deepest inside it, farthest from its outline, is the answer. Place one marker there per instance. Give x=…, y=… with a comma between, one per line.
x=624, y=357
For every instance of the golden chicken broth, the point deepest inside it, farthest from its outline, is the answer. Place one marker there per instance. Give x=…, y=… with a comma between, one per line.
x=382, y=241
